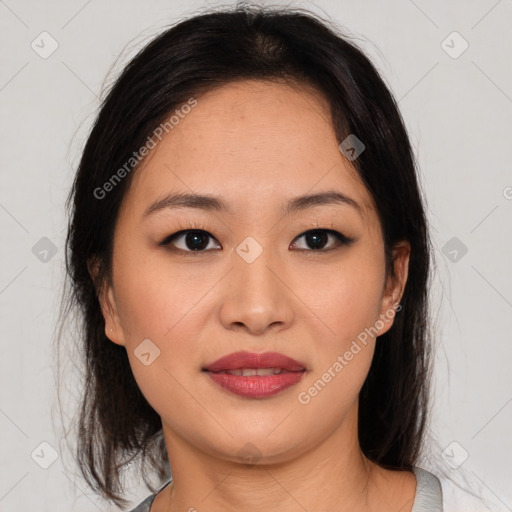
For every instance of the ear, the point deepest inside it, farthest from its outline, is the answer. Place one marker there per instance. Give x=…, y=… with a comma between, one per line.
x=106, y=298
x=394, y=287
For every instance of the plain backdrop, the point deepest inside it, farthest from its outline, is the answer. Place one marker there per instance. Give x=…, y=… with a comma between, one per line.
x=448, y=64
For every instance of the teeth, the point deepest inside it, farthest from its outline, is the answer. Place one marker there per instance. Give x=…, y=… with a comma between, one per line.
x=247, y=372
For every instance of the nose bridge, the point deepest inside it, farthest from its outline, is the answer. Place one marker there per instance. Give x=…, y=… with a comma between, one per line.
x=256, y=297
x=255, y=268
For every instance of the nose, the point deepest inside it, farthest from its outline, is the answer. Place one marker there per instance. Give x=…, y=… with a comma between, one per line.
x=257, y=297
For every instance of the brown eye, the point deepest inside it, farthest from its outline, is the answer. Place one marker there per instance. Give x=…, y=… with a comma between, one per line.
x=317, y=239
x=192, y=240
x=198, y=240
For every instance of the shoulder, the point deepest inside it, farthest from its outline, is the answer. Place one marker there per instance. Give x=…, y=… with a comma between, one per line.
x=429, y=495
x=145, y=505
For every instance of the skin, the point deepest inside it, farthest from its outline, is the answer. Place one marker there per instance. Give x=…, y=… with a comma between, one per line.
x=257, y=145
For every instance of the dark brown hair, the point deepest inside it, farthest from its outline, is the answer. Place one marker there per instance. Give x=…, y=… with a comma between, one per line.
x=116, y=424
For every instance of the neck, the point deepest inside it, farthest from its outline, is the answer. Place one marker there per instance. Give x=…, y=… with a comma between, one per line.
x=334, y=475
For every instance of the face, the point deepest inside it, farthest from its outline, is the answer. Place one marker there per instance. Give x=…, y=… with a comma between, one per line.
x=258, y=271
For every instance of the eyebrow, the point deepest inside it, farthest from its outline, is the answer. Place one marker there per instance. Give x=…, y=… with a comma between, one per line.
x=215, y=203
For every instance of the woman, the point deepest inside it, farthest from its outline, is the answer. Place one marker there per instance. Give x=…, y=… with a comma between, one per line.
x=249, y=250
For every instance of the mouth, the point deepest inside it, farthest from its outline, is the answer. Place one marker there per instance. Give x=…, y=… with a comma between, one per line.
x=253, y=375
x=249, y=372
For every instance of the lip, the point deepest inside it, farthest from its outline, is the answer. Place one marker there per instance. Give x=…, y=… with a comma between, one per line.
x=255, y=386
x=238, y=360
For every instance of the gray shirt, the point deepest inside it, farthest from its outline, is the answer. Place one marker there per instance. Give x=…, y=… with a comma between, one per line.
x=428, y=498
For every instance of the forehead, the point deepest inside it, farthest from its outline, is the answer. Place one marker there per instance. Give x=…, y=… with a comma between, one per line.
x=250, y=142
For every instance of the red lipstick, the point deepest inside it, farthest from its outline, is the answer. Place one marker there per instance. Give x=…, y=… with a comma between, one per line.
x=253, y=375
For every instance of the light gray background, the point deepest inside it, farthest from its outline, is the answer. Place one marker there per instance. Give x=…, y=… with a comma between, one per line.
x=458, y=113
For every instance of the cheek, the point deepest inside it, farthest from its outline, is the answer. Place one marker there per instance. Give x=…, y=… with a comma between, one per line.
x=343, y=357
x=160, y=302
x=348, y=299
x=155, y=298
x=356, y=306
x=348, y=306
x=152, y=308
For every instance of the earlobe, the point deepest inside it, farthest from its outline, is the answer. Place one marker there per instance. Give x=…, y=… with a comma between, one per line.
x=395, y=286
x=105, y=294
x=401, y=255
x=113, y=330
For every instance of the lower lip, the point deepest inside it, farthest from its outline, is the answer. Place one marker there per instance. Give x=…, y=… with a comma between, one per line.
x=256, y=386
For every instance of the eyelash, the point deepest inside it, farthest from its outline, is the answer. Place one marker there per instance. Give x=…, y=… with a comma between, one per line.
x=193, y=228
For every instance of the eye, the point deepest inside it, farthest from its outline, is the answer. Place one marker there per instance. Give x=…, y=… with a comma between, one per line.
x=318, y=238
x=195, y=240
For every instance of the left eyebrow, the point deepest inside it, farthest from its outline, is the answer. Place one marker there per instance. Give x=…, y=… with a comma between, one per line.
x=215, y=203
x=323, y=198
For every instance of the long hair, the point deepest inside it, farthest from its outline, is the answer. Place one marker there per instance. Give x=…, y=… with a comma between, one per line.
x=116, y=424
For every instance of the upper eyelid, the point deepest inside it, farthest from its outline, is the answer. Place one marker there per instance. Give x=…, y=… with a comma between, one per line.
x=200, y=230
x=337, y=234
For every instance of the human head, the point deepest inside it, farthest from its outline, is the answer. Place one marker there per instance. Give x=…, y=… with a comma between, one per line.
x=192, y=59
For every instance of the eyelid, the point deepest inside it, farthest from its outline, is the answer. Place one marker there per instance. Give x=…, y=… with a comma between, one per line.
x=189, y=225
x=343, y=240
x=170, y=238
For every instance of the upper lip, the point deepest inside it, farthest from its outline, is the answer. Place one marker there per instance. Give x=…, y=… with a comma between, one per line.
x=240, y=360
